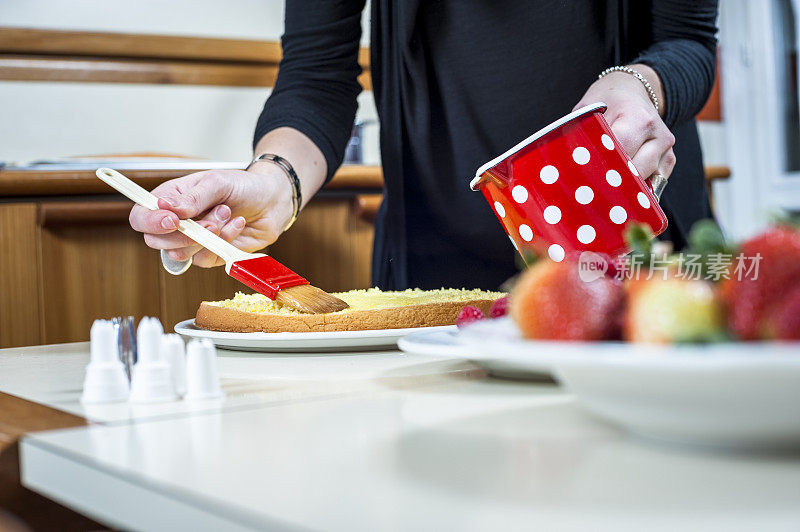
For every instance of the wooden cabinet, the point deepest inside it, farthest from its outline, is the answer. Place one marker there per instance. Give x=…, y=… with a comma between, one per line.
x=19, y=275
x=91, y=271
x=67, y=260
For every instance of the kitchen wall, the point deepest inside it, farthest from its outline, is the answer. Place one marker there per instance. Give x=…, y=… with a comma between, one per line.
x=62, y=119
x=242, y=19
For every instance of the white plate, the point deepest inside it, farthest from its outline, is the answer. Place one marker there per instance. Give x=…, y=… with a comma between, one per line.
x=452, y=344
x=287, y=342
x=433, y=343
x=733, y=395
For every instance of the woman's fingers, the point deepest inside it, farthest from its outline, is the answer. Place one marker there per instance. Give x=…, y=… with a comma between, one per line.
x=185, y=197
x=184, y=254
x=654, y=154
x=213, y=220
x=654, y=158
x=647, y=158
x=667, y=163
x=182, y=247
x=201, y=256
x=194, y=196
x=206, y=259
x=187, y=251
x=161, y=221
x=154, y=222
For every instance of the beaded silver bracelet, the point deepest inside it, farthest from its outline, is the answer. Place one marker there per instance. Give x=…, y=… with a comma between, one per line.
x=637, y=75
x=288, y=169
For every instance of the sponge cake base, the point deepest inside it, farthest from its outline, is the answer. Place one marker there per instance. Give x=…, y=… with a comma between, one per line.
x=216, y=316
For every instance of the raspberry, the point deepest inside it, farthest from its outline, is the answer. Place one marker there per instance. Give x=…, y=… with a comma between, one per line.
x=616, y=268
x=499, y=308
x=468, y=315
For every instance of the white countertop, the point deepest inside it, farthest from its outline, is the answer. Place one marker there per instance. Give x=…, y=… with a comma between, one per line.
x=53, y=375
x=411, y=451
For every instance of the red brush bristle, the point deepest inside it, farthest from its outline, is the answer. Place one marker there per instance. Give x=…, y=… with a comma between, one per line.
x=265, y=275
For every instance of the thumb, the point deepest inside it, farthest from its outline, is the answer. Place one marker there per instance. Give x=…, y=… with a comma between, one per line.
x=209, y=190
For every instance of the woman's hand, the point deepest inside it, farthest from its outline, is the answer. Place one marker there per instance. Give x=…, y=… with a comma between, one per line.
x=246, y=208
x=634, y=120
x=250, y=208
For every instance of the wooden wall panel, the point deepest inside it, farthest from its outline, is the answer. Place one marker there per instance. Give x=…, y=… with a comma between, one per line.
x=83, y=70
x=19, y=263
x=89, y=43
x=101, y=44
x=53, y=55
x=360, y=254
x=43, y=182
x=94, y=272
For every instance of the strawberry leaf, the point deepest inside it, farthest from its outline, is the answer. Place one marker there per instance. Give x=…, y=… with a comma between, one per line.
x=707, y=245
x=785, y=218
x=706, y=238
x=640, y=239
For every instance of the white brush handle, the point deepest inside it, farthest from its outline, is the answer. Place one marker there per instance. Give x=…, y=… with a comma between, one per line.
x=224, y=249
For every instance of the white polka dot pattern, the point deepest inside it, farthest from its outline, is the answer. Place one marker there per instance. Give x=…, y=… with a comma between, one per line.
x=617, y=215
x=552, y=214
x=549, y=174
x=526, y=233
x=520, y=194
x=581, y=155
x=556, y=252
x=613, y=178
x=540, y=215
x=586, y=234
x=584, y=195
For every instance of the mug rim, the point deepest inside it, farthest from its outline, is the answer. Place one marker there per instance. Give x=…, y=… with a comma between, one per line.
x=536, y=136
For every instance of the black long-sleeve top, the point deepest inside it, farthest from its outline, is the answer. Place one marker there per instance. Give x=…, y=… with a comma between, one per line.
x=458, y=82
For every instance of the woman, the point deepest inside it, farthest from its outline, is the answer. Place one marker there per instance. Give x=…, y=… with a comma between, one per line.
x=455, y=83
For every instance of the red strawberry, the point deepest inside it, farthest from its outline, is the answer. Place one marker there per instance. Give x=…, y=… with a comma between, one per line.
x=552, y=302
x=499, y=308
x=783, y=322
x=468, y=315
x=750, y=300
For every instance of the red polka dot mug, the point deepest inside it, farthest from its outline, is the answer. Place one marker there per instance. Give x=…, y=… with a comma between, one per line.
x=568, y=188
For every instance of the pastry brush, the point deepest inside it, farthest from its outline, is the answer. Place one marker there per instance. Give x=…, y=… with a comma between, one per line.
x=257, y=270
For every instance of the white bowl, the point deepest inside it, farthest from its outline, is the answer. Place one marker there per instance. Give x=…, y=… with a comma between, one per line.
x=740, y=395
